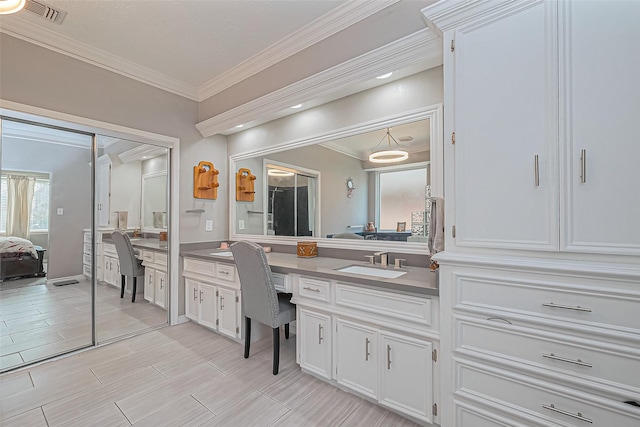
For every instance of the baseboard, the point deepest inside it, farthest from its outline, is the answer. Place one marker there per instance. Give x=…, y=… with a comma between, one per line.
x=58, y=279
x=182, y=319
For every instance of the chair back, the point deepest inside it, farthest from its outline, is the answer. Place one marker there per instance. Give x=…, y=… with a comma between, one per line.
x=259, y=296
x=126, y=254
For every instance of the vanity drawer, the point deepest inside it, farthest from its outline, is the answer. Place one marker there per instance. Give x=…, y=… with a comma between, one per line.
x=399, y=306
x=86, y=270
x=203, y=268
x=590, y=360
x=226, y=272
x=86, y=259
x=147, y=256
x=550, y=301
x=87, y=237
x=160, y=258
x=282, y=282
x=314, y=288
x=87, y=248
x=110, y=250
x=543, y=401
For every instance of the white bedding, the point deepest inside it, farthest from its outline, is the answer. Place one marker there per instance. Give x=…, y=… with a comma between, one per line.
x=13, y=244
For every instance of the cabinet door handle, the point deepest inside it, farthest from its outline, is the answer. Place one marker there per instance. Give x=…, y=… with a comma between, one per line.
x=536, y=171
x=499, y=319
x=161, y=283
x=200, y=296
x=366, y=349
x=579, y=416
x=566, y=307
x=320, y=337
x=388, y=356
x=306, y=288
x=195, y=294
x=564, y=359
x=583, y=166
x=221, y=302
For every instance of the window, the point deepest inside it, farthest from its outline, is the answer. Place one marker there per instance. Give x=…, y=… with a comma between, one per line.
x=39, y=221
x=400, y=193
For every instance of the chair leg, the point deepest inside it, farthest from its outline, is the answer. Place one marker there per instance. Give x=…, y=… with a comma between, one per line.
x=122, y=284
x=247, y=336
x=135, y=287
x=276, y=350
x=286, y=331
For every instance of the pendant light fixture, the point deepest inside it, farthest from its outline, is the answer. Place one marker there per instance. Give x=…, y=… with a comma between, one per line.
x=390, y=154
x=11, y=6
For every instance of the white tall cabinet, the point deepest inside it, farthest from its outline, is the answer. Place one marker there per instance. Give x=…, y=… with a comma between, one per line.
x=541, y=269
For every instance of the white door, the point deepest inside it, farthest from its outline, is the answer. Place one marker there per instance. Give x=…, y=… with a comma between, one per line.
x=149, y=286
x=506, y=132
x=227, y=313
x=191, y=297
x=160, y=278
x=103, y=191
x=406, y=375
x=208, y=310
x=314, y=342
x=357, y=357
x=601, y=106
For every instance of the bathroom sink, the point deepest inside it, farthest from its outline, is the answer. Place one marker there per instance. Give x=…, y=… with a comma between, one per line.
x=371, y=271
x=222, y=253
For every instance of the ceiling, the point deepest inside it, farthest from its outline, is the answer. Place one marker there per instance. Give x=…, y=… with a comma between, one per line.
x=195, y=48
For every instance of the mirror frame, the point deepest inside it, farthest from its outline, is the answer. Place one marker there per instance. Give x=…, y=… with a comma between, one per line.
x=436, y=146
x=143, y=228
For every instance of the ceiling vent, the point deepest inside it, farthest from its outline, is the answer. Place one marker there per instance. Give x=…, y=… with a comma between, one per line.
x=45, y=11
x=405, y=139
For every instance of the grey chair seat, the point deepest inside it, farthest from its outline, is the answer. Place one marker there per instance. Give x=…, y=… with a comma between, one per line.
x=260, y=301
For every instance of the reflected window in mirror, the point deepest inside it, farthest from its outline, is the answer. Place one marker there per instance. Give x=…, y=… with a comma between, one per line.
x=402, y=198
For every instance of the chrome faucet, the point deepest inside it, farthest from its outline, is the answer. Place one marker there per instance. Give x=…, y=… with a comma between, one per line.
x=384, y=258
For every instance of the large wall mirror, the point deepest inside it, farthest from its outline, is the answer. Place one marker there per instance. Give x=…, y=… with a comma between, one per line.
x=154, y=201
x=326, y=188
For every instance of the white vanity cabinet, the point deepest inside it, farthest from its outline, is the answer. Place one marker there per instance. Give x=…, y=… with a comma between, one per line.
x=111, y=265
x=86, y=255
x=155, y=276
x=212, y=296
x=379, y=344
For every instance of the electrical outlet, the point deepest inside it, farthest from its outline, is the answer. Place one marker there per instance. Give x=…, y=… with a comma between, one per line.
x=241, y=224
x=60, y=211
x=208, y=225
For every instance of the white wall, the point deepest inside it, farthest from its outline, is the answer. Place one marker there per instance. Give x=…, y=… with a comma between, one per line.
x=126, y=191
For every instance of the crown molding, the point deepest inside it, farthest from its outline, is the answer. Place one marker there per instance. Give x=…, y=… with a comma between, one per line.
x=327, y=25
x=421, y=47
x=24, y=30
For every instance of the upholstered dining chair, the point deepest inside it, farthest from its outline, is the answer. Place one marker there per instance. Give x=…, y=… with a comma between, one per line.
x=130, y=265
x=260, y=301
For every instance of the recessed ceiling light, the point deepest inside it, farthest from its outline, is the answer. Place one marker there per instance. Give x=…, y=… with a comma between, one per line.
x=239, y=126
x=145, y=157
x=11, y=6
x=296, y=106
x=384, y=76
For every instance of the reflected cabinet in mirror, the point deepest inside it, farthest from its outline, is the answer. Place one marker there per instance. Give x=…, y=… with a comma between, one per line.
x=335, y=189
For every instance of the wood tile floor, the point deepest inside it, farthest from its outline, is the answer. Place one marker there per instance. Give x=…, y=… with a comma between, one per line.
x=38, y=320
x=181, y=375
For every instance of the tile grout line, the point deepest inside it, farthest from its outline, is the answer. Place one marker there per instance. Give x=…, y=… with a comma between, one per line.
x=94, y=374
x=201, y=404
x=163, y=375
x=44, y=415
x=123, y=414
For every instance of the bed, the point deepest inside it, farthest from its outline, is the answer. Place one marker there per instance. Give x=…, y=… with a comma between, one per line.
x=20, y=258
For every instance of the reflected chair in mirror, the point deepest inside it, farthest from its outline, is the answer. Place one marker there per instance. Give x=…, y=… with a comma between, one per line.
x=130, y=265
x=348, y=236
x=260, y=301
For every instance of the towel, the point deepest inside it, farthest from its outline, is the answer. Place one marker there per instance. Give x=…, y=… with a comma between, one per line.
x=436, y=226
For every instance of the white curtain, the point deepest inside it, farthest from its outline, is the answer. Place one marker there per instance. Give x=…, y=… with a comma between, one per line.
x=19, y=201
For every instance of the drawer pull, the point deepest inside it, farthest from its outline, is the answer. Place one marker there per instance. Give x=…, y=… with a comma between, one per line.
x=221, y=302
x=366, y=349
x=566, y=307
x=224, y=272
x=536, y=171
x=200, y=296
x=564, y=359
x=500, y=319
x=320, y=337
x=388, y=356
x=306, y=288
x=195, y=295
x=579, y=416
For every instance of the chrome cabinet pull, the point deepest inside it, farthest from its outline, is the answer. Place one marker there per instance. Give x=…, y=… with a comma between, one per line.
x=583, y=166
x=224, y=272
x=161, y=283
x=536, y=171
x=221, y=302
x=579, y=416
x=200, y=296
x=388, y=356
x=566, y=307
x=320, y=337
x=366, y=349
x=564, y=359
x=499, y=319
x=195, y=294
x=306, y=288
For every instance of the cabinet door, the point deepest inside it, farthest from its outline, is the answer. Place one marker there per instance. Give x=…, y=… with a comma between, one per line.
x=191, y=297
x=149, y=287
x=505, y=122
x=314, y=339
x=406, y=375
x=207, y=314
x=227, y=313
x=600, y=97
x=357, y=357
x=160, y=278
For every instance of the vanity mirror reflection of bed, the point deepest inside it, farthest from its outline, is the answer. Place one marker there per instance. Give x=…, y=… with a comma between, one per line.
x=46, y=268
